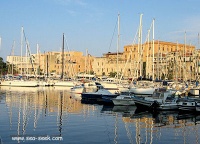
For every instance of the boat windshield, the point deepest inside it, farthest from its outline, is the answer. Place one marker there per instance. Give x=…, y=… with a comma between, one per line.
x=157, y=95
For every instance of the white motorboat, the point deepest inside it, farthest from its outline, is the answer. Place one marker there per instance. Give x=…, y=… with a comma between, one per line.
x=142, y=90
x=90, y=86
x=78, y=89
x=198, y=106
x=160, y=100
x=123, y=100
x=101, y=95
x=194, y=91
x=111, y=87
x=187, y=104
x=64, y=83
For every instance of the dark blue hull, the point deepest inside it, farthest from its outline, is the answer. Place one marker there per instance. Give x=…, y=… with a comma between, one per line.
x=98, y=98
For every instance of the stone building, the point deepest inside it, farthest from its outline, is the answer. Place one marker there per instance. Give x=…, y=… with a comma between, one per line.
x=137, y=61
x=165, y=61
x=50, y=64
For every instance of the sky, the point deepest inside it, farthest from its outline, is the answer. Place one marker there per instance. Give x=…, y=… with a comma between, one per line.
x=92, y=24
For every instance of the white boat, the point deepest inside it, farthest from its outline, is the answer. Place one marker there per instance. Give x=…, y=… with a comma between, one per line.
x=123, y=100
x=101, y=95
x=78, y=89
x=169, y=104
x=160, y=100
x=194, y=91
x=64, y=83
x=43, y=83
x=17, y=89
x=90, y=86
x=114, y=87
x=197, y=106
x=76, y=96
x=111, y=87
x=19, y=83
x=187, y=104
x=143, y=90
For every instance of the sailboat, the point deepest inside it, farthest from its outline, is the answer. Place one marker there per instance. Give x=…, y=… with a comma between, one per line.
x=19, y=82
x=144, y=88
x=111, y=84
x=63, y=82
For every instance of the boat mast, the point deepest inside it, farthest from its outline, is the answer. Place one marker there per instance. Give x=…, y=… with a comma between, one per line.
x=157, y=62
x=185, y=71
x=148, y=52
x=62, y=74
x=86, y=61
x=22, y=29
x=47, y=68
x=38, y=58
x=161, y=62
x=13, y=54
x=147, y=63
x=176, y=60
x=153, y=49
x=118, y=39
x=140, y=45
x=197, y=63
x=27, y=72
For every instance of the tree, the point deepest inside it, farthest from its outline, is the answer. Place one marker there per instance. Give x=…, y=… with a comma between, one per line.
x=3, y=67
x=112, y=74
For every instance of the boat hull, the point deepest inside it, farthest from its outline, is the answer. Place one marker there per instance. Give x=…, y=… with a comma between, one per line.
x=123, y=102
x=187, y=106
x=195, y=92
x=142, y=91
x=146, y=105
x=19, y=83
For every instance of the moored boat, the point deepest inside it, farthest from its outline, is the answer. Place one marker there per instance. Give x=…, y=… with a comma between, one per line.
x=101, y=95
x=187, y=104
x=19, y=83
x=77, y=89
x=160, y=100
x=123, y=100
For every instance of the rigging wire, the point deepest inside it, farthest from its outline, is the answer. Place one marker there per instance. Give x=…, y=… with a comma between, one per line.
x=68, y=50
x=113, y=35
x=29, y=53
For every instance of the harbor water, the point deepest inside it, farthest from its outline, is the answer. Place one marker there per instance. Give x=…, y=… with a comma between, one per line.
x=55, y=115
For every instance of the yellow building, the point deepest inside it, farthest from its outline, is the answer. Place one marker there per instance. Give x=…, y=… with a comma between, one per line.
x=51, y=63
x=135, y=62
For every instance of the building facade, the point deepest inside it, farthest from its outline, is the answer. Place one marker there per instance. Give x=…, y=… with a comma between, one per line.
x=52, y=64
x=166, y=61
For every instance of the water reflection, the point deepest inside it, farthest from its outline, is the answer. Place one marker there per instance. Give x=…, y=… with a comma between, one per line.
x=57, y=112
x=32, y=104
x=161, y=127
